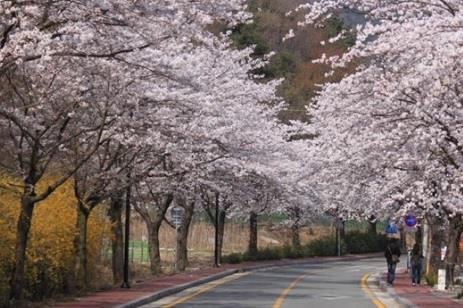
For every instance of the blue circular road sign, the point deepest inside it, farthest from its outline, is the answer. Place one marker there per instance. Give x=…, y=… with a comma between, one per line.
x=410, y=220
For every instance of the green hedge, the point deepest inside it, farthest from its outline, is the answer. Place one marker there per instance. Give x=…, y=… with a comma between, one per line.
x=324, y=246
x=355, y=242
x=359, y=242
x=233, y=258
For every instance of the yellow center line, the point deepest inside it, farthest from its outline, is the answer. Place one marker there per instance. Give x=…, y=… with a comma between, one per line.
x=364, y=286
x=286, y=291
x=206, y=288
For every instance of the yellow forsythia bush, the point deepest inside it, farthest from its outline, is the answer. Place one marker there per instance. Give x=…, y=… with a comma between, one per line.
x=8, y=219
x=50, y=251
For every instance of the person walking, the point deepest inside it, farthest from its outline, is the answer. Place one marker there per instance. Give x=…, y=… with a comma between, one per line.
x=392, y=254
x=416, y=260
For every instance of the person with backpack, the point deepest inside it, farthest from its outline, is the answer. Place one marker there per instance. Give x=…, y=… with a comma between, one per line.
x=416, y=260
x=392, y=254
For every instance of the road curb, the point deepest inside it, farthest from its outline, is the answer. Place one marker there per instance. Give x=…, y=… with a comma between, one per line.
x=170, y=291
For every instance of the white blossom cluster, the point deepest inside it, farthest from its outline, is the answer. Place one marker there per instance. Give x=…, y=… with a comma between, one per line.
x=390, y=134
x=91, y=89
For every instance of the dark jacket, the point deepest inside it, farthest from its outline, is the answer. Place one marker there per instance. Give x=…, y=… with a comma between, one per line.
x=416, y=257
x=391, y=249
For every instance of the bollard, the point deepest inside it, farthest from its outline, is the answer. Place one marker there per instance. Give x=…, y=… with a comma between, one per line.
x=441, y=279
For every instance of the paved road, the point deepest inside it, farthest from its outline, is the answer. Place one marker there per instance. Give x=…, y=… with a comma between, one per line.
x=330, y=285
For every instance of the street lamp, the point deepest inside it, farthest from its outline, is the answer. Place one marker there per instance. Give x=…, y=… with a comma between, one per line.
x=126, y=282
x=216, y=237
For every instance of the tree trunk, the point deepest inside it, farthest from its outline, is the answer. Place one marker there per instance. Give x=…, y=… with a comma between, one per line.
x=221, y=231
x=419, y=235
x=252, y=248
x=295, y=216
x=153, y=248
x=437, y=237
x=296, y=240
x=455, y=230
x=80, y=248
x=182, y=237
x=342, y=230
x=153, y=217
x=372, y=229
x=22, y=233
x=115, y=215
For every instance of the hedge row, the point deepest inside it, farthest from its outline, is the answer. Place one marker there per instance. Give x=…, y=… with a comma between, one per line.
x=354, y=242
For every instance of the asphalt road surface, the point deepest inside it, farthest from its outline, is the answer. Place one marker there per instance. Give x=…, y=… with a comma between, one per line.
x=330, y=285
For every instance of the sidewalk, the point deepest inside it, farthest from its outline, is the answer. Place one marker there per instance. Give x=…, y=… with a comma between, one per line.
x=119, y=296
x=157, y=288
x=419, y=296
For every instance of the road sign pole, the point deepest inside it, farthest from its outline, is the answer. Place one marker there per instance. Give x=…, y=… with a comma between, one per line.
x=175, y=248
x=142, y=250
x=176, y=215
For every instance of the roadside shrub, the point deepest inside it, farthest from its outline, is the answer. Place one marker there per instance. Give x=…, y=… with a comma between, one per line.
x=431, y=279
x=8, y=218
x=307, y=252
x=233, y=258
x=248, y=257
x=360, y=242
x=354, y=242
x=291, y=252
x=324, y=246
x=270, y=253
x=50, y=251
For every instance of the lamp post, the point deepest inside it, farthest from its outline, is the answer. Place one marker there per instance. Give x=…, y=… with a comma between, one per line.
x=216, y=241
x=126, y=282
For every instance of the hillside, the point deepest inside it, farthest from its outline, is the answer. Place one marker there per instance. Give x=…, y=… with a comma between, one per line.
x=293, y=58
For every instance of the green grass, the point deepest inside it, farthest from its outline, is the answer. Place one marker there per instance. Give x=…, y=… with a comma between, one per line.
x=138, y=251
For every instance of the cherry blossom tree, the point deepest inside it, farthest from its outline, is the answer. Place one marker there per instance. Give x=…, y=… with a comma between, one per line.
x=118, y=93
x=43, y=115
x=44, y=48
x=152, y=208
x=397, y=119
